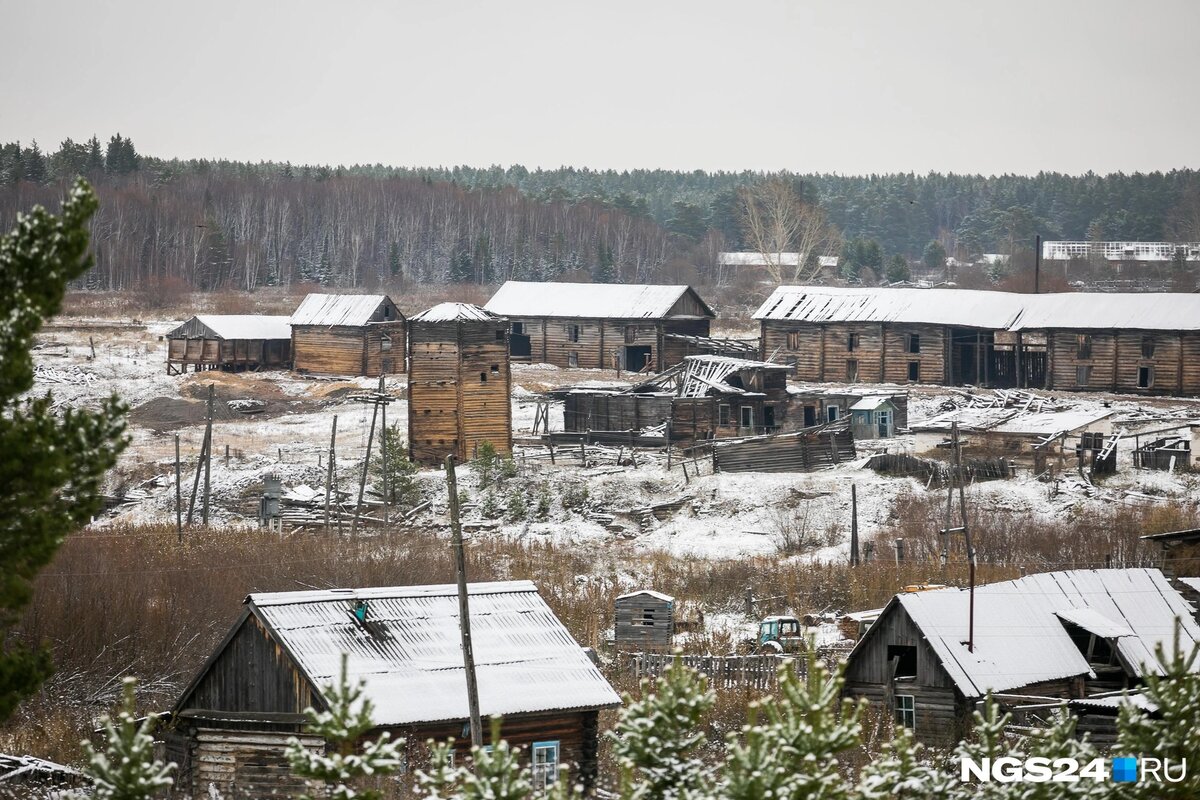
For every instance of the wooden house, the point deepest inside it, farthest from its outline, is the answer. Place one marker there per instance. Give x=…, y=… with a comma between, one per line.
x=1120, y=342
x=231, y=724
x=604, y=325
x=645, y=622
x=873, y=417
x=348, y=334
x=703, y=397
x=817, y=405
x=1057, y=635
x=459, y=383
x=231, y=342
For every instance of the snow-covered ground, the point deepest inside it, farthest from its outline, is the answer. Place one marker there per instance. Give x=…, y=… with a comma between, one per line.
x=724, y=516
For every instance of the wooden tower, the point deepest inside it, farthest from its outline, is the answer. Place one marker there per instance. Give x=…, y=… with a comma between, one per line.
x=459, y=383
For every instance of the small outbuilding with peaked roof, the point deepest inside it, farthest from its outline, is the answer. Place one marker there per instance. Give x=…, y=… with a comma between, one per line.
x=348, y=334
x=231, y=723
x=230, y=341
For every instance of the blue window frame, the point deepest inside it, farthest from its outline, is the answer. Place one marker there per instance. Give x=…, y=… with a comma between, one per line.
x=544, y=764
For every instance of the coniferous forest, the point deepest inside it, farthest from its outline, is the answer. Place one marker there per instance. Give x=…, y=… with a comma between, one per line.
x=223, y=224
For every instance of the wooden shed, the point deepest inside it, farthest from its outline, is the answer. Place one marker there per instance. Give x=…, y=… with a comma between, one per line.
x=459, y=383
x=1054, y=636
x=633, y=327
x=229, y=341
x=230, y=725
x=348, y=334
x=645, y=622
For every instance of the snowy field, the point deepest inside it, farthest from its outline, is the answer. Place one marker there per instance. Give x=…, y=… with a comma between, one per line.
x=723, y=516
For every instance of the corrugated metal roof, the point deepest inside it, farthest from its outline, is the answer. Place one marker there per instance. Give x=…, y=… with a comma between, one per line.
x=1093, y=621
x=409, y=656
x=1191, y=583
x=337, y=309
x=238, y=326
x=666, y=598
x=960, y=307
x=454, y=312
x=590, y=300
x=1020, y=638
x=972, y=308
x=1014, y=421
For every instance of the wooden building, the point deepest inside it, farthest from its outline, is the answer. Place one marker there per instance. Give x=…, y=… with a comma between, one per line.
x=604, y=325
x=231, y=724
x=459, y=383
x=348, y=334
x=645, y=622
x=231, y=342
x=1140, y=343
x=703, y=397
x=817, y=405
x=1058, y=635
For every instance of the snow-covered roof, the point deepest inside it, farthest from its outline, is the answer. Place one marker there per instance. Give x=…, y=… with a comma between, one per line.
x=1015, y=421
x=236, y=326
x=755, y=259
x=871, y=403
x=1020, y=637
x=698, y=375
x=1168, y=311
x=666, y=598
x=352, y=310
x=973, y=308
x=968, y=308
x=588, y=300
x=1191, y=583
x=409, y=655
x=455, y=312
x=1115, y=702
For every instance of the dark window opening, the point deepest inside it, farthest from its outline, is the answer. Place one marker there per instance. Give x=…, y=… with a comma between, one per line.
x=912, y=343
x=852, y=342
x=500, y=336
x=852, y=369
x=906, y=711
x=769, y=417
x=832, y=413
x=483, y=377
x=1083, y=346
x=1147, y=347
x=906, y=656
x=747, y=416
x=518, y=328
x=793, y=340
x=724, y=414
x=573, y=333
x=1145, y=377
x=914, y=370
x=495, y=369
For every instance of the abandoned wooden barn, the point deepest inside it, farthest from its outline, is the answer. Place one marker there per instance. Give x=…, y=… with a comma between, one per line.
x=817, y=405
x=348, y=334
x=1056, y=635
x=703, y=397
x=606, y=326
x=1143, y=343
x=645, y=622
x=230, y=726
x=231, y=342
x=459, y=383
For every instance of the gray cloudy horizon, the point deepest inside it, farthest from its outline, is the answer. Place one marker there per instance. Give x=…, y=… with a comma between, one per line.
x=842, y=87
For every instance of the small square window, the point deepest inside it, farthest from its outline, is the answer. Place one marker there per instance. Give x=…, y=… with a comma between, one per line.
x=1083, y=375
x=500, y=336
x=914, y=371
x=572, y=359
x=852, y=369
x=518, y=328
x=793, y=340
x=495, y=369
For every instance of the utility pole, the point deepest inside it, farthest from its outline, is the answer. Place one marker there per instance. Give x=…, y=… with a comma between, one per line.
x=208, y=454
x=956, y=475
x=200, y=465
x=383, y=454
x=378, y=399
x=853, y=525
x=329, y=471
x=178, y=495
x=1037, y=263
x=464, y=613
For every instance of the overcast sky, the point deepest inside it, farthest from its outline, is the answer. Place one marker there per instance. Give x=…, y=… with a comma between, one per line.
x=838, y=86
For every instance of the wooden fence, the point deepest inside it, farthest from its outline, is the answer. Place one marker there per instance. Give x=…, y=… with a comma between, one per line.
x=938, y=473
x=724, y=672
x=802, y=451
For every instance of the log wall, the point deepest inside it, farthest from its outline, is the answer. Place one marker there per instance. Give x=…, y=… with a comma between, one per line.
x=866, y=352
x=1116, y=358
x=599, y=340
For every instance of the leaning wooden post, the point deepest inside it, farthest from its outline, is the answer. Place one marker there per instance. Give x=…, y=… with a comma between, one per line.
x=208, y=455
x=853, y=525
x=362, y=482
x=196, y=480
x=464, y=612
x=383, y=448
x=329, y=471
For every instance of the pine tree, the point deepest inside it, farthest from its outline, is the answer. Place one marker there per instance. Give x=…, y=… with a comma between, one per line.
x=126, y=768
x=394, y=260
x=658, y=739
x=543, y=505
x=897, y=269
x=404, y=491
x=498, y=774
x=899, y=772
x=51, y=467
x=1059, y=740
x=517, y=508
x=793, y=754
x=988, y=739
x=35, y=164
x=934, y=257
x=485, y=463
x=1171, y=733
x=342, y=727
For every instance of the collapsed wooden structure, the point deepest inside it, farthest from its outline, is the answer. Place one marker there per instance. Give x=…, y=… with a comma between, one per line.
x=800, y=451
x=231, y=724
x=348, y=334
x=1146, y=343
x=459, y=383
x=230, y=342
x=1056, y=636
x=606, y=326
